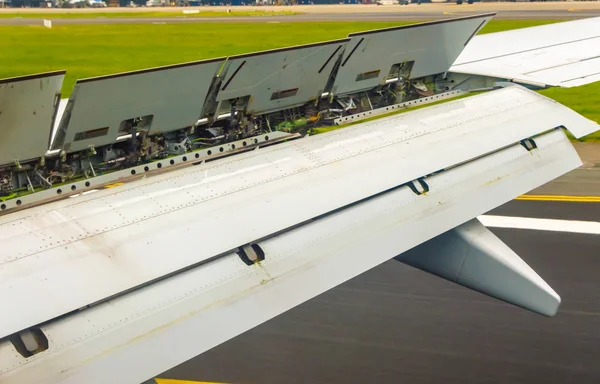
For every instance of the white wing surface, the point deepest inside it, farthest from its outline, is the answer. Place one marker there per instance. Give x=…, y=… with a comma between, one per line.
x=562, y=54
x=149, y=330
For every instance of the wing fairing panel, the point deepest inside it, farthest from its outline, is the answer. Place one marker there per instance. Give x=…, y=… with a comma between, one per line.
x=472, y=256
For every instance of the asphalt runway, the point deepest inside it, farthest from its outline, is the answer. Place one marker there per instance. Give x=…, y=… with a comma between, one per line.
x=551, y=210
x=351, y=17
x=355, y=13
x=395, y=324
x=581, y=182
x=584, y=181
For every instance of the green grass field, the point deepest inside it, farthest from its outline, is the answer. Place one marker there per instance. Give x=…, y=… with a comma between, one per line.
x=584, y=100
x=92, y=50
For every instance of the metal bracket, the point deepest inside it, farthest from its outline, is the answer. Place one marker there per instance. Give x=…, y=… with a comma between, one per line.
x=29, y=342
x=251, y=254
x=529, y=144
x=395, y=107
x=421, y=188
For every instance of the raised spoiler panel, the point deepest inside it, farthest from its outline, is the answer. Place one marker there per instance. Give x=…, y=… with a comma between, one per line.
x=561, y=54
x=117, y=239
x=173, y=95
x=433, y=46
x=280, y=78
x=148, y=331
x=27, y=108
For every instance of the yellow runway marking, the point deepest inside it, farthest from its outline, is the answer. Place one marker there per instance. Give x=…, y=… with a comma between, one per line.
x=171, y=381
x=574, y=199
x=113, y=185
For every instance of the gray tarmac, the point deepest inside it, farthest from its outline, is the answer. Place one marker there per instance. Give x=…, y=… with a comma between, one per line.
x=584, y=181
x=580, y=182
x=545, y=14
x=395, y=324
x=551, y=210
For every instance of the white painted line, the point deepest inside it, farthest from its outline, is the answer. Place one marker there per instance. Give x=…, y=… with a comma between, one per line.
x=572, y=226
x=85, y=193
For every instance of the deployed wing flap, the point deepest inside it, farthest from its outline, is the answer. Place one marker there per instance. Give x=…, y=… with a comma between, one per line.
x=162, y=99
x=27, y=109
x=430, y=48
x=562, y=54
x=115, y=240
x=149, y=330
x=472, y=256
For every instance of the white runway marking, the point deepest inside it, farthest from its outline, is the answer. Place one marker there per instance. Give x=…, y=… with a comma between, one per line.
x=573, y=226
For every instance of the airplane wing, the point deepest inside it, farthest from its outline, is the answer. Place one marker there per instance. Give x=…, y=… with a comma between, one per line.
x=133, y=256
x=562, y=54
